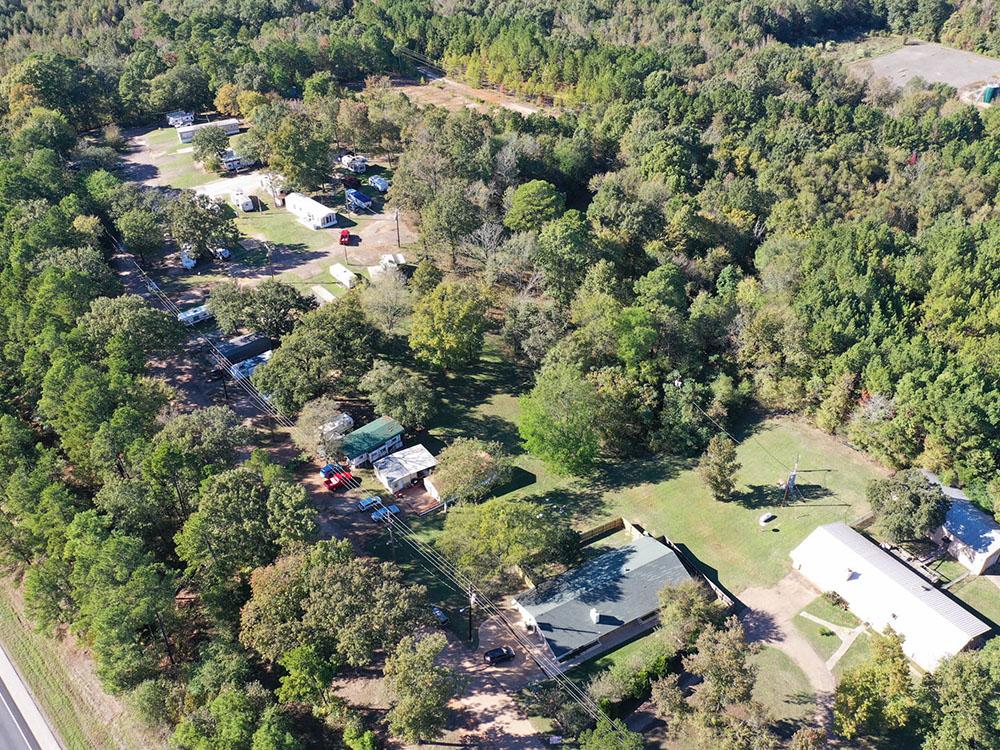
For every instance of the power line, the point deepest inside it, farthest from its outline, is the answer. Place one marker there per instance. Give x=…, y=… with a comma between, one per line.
x=737, y=441
x=439, y=564
x=257, y=398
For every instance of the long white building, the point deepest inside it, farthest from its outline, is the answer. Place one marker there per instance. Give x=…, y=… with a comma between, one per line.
x=883, y=592
x=310, y=212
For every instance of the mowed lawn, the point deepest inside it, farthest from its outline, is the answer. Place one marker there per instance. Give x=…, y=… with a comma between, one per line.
x=665, y=494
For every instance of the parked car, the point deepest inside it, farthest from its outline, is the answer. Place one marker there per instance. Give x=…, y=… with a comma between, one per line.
x=368, y=503
x=498, y=655
x=440, y=616
x=345, y=236
x=379, y=183
x=383, y=512
x=221, y=253
x=217, y=374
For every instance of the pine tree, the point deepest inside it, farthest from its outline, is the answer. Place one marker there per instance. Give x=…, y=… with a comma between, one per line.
x=718, y=467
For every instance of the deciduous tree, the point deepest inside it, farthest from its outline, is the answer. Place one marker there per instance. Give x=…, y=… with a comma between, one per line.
x=448, y=325
x=907, y=505
x=468, y=470
x=420, y=688
x=399, y=393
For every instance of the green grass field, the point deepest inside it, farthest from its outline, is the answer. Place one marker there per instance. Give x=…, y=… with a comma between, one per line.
x=665, y=494
x=821, y=608
x=859, y=652
x=65, y=701
x=782, y=687
x=280, y=227
x=981, y=595
x=823, y=640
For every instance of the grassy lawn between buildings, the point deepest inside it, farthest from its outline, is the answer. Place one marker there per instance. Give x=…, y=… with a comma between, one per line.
x=665, y=494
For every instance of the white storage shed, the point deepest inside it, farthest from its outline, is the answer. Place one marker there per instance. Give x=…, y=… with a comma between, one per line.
x=344, y=275
x=884, y=592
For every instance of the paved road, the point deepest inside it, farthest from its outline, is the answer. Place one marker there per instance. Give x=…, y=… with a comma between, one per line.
x=14, y=731
x=22, y=726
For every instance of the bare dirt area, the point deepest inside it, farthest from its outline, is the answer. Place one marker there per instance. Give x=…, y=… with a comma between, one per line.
x=454, y=95
x=768, y=619
x=934, y=63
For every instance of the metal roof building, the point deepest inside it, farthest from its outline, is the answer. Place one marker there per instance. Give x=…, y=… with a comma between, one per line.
x=576, y=610
x=884, y=592
x=398, y=470
x=970, y=535
x=374, y=440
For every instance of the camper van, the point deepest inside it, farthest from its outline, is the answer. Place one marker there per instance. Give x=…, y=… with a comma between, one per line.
x=310, y=212
x=246, y=368
x=243, y=202
x=344, y=275
x=357, y=164
x=194, y=315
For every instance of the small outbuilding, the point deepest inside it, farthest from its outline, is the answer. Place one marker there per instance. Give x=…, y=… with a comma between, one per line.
x=369, y=443
x=344, y=275
x=310, y=211
x=398, y=471
x=884, y=592
x=971, y=536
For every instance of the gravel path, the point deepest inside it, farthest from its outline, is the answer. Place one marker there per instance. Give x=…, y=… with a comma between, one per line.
x=768, y=619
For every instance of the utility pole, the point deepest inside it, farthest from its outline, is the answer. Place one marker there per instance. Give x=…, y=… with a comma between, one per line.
x=472, y=603
x=397, y=229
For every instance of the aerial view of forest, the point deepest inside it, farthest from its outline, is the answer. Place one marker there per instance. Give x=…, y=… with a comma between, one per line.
x=499, y=374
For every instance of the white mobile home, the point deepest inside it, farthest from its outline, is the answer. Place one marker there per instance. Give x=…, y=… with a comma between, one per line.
x=344, y=275
x=179, y=118
x=885, y=593
x=399, y=470
x=194, y=315
x=310, y=212
x=229, y=127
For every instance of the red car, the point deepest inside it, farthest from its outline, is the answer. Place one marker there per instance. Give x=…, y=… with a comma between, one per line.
x=338, y=479
x=345, y=236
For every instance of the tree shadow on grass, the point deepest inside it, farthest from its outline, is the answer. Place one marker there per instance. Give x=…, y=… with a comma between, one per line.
x=612, y=477
x=519, y=479
x=712, y=574
x=573, y=504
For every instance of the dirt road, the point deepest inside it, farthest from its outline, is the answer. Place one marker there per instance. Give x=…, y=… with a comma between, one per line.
x=768, y=619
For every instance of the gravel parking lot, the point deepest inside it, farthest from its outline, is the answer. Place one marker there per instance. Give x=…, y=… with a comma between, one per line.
x=934, y=63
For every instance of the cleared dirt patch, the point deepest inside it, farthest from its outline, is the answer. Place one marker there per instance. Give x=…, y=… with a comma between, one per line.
x=934, y=63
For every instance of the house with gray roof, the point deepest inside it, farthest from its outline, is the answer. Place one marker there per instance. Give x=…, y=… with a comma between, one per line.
x=585, y=611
